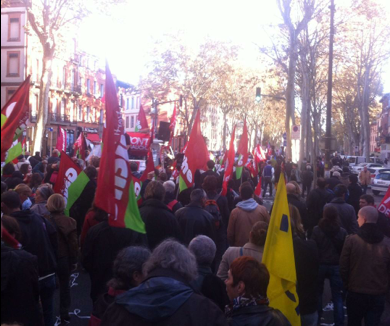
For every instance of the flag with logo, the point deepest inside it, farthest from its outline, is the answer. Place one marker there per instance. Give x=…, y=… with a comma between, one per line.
x=384, y=206
x=229, y=164
x=80, y=146
x=61, y=139
x=279, y=258
x=196, y=156
x=142, y=122
x=258, y=157
x=14, y=119
x=242, y=151
x=115, y=191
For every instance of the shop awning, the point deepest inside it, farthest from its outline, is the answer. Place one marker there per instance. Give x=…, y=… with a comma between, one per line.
x=94, y=138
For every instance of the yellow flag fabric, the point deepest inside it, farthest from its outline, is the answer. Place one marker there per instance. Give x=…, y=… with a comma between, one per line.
x=279, y=258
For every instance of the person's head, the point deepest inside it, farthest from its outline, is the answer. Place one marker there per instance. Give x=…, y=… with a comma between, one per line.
x=169, y=187
x=127, y=270
x=210, y=164
x=336, y=174
x=297, y=187
x=21, y=158
x=340, y=191
x=353, y=179
x=25, y=169
x=36, y=180
x=38, y=154
x=246, y=192
x=308, y=167
x=10, y=202
x=23, y=191
x=43, y=193
x=198, y=197
x=296, y=222
x=12, y=226
x=204, y=250
x=56, y=153
x=3, y=187
x=162, y=177
x=258, y=233
x=56, y=204
x=366, y=200
x=8, y=169
x=155, y=190
x=330, y=219
x=27, y=154
x=367, y=214
x=133, y=166
x=321, y=183
x=172, y=255
x=91, y=172
x=210, y=184
x=345, y=169
x=365, y=169
x=247, y=277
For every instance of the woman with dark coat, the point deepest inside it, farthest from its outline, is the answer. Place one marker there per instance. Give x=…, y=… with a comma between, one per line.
x=355, y=191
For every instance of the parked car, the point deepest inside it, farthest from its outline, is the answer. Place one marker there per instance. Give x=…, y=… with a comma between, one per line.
x=381, y=183
x=358, y=168
x=375, y=171
x=355, y=160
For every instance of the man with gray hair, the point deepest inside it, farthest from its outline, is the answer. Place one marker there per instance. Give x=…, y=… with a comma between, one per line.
x=365, y=270
x=42, y=194
x=207, y=283
x=194, y=219
x=165, y=297
x=170, y=199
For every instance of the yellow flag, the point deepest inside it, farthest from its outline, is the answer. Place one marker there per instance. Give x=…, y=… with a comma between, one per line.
x=279, y=258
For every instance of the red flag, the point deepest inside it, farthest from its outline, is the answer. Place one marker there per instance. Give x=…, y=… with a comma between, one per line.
x=66, y=175
x=80, y=145
x=196, y=156
x=229, y=164
x=61, y=139
x=384, y=206
x=142, y=123
x=115, y=191
x=14, y=116
x=139, y=143
x=149, y=166
x=243, y=148
x=258, y=189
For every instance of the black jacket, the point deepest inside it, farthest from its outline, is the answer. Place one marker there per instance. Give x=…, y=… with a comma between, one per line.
x=295, y=201
x=164, y=299
x=384, y=224
x=347, y=215
x=355, y=191
x=102, y=244
x=307, y=266
x=169, y=197
x=193, y=221
x=209, y=173
x=333, y=182
x=19, y=288
x=258, y=316
x=315, y=202
x=307, y=177
x=329, y=243
x=39, y=238
x=159, y=221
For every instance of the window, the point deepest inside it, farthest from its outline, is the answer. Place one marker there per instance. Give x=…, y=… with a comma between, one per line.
x=13, y=64
x=80, y=113
x=101, y=118
x=94, y=87
x=132, y=102
x=127, y=104
x=88, y=86
x=10, y=91
x=64, y=77
x=72, y=78
x=88, y=114
x=132, y=122
x=54, y=107
x=127, y=122
x=93, y=115
x=14, y=28
x=63, y=105
x=72, y=106
x=101, y=90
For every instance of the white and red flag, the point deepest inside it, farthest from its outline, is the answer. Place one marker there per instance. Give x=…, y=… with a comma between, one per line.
x=229, y=164
x=142, y=122
x=61, y=139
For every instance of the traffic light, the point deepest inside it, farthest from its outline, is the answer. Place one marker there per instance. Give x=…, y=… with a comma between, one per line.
x=258, y=94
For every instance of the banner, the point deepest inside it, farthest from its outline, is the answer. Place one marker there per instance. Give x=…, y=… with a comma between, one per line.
x=14, y=119
x=242, y=151
x=229, y=164
x=115, y=191
x=139, y=143
x=67, y=174
x=384, y=206
x=61, y=139
x=80, y=146
x=142, y=122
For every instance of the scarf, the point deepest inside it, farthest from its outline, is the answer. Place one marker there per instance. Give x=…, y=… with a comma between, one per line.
x=243, y=301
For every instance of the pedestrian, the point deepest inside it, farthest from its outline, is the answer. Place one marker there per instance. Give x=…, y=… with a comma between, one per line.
x=294, y=200
x=365, y=270
x=127, y=274
x=307, y=180
x=383, y=221
x=68, y=249
x=165, y=297
x=344, y=177
x=329, y=237
x=170, y=197
x=134, y=170
x=268, y=174
x=35, y=182
x=255, y=197
x=211, y=286
x=54, y=158
x=246, y=286
x=24, y=193
x=254, y=248
x=210, y=172
x=41, y=196
x=160, y=223
x=243, y=217
x=194, y=219
x=94, y=216
x=334, y=180
x=365, y=179
x=354, y=192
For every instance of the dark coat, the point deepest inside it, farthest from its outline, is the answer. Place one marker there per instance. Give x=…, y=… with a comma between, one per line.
x=347, y=215
x=164, y=299
x=307, y=266
x=39, y=238
x=355, y=191
x=209, y=173
x=332, y=182
x=100, y=249
x=258, y=316
x=19, y=288
x=159, y=221
x=315, y=202
x=307, y=177
x=193, y=221
x=301, y=206
x=384, y=224
x=169, y=197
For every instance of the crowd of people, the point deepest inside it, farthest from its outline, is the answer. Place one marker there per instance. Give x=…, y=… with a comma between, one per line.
x=200, y=261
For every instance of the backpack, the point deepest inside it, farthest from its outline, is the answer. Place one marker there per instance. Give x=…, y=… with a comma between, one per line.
x=212, y=207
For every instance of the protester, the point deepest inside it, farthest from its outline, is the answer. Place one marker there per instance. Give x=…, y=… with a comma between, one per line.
x=159, y=221
x=254, y=248
x=11, y=177
x=354, y=192
x=246, y=286
x=212, y=287
x=334, y=180
x=12, y=226
x=239, y=199
x=268, y=174
x=54, y=158
x=307, y=180
x=242, y=218
x=127, y=274
x=41, y=196
x=68, y=248
x=210, y=172
x=165, y=297
x=365, y=270
x=194, y=220
x=26, y=170
x=170, y=197
x=300, y=205
x=24, y=193
x=329, y=237
x=94, y=216
x=383, y=221
x=102, y=244
x=21, y=161
x=346, y=212
x=39, y=238
x=365, y=179
x=134, y=170
x=344, y=177
x=19, y=287
x=35, y=182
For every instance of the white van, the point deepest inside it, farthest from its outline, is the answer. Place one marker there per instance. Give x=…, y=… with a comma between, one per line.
x=355, y=160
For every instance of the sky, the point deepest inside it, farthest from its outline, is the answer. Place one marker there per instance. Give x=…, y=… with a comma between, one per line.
x=127, y=39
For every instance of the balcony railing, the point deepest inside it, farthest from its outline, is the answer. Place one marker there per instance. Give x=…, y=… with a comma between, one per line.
x=60, y=118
